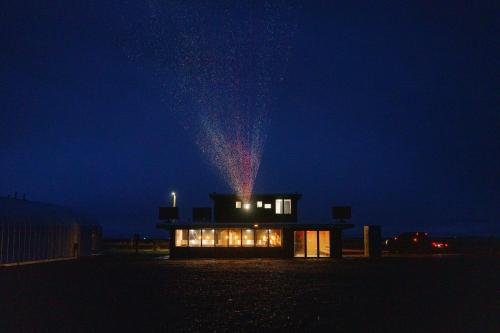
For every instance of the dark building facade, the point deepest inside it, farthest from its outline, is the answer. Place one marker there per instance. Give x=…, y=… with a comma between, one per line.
x=260, y=208
x=263, y=226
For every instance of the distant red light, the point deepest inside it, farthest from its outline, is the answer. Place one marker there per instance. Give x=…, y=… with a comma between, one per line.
x=415, y=240
x=439, y=245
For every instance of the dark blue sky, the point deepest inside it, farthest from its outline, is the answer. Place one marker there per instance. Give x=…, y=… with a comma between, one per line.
x=391, y=108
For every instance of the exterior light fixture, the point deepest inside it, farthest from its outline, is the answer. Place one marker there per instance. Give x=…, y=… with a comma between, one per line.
x=174, y=199
x=246, y=206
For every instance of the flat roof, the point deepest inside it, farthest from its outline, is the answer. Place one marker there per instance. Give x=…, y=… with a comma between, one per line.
x=298, y=226
x=295, y=195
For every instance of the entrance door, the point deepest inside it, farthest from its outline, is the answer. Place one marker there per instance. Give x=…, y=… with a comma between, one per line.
x=299, y=243
x=312, y=243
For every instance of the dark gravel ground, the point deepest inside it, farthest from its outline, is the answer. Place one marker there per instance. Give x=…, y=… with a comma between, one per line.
x=143, y=293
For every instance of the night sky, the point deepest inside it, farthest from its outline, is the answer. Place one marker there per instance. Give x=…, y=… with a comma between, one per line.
x=390, y=108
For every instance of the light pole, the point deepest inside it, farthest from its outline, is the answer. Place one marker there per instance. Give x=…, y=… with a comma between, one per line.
x=174, y=197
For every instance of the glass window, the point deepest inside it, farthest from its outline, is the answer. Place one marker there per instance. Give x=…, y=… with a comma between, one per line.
x=279, y=206
x=261, y=237
x=259, y=204
x=247, y=206
x=324, y=243
x=208, y=237
x=274, y=237
x=181, y=237
x=234, y=237
x=222, y=237
x=312, y=243
x=287, y=206
x=248, y=237
x=238, y=204
x=299, y=244
x=268, y=206
x=194, y=237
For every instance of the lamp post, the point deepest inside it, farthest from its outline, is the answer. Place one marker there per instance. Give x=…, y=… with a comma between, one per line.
x=174, y=199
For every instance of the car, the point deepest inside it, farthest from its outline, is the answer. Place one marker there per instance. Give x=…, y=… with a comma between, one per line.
x=414, y=242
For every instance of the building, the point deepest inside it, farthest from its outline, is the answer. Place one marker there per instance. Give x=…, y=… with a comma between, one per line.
x=266, y=225
x=33, y=232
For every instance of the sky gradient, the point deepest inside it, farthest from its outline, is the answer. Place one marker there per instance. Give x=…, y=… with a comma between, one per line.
x=392, y=109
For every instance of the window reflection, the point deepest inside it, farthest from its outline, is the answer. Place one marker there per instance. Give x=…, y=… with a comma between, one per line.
x=194, y=237
x=248, y=237
x=279, y=206
x=287, y=206
x=208, y=237
x=324, y=243
x=261, y=237
x=181, y=237
x=234, y=237
x=312, y=243
x=274, y=237
x=222, y=237
x=299, y=244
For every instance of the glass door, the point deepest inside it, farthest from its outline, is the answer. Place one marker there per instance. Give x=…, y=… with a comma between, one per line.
x=312, y=243
x=299, y=244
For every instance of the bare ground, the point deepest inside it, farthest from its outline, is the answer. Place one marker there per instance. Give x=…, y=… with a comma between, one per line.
x=144, y=293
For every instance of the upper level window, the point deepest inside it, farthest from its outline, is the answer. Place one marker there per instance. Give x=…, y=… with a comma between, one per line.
x=279, y=206
x=283, y=206
x=287, y=205
x=238, y=204
x=268, y=206
x=259, y=204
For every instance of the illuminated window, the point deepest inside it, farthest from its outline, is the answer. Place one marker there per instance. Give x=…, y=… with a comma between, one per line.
x=279, y=206
x=248, y=237
x=274, y=237
x=247, y=206
x=259, y=204
x=234, y=237
x=238, y=204
x=208, y=237
x=299, y=244
x=268, y=206
x=287, y=206
x=194, y=237
x=181, y=237
x=261, y=237
x=312, y=243
x=324, y=243
x=222, y=237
